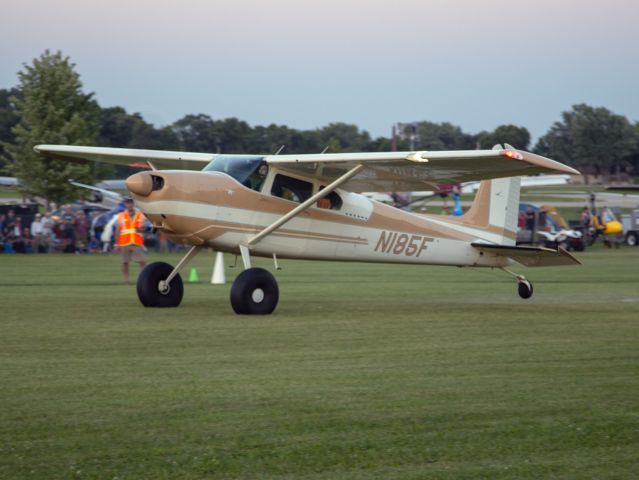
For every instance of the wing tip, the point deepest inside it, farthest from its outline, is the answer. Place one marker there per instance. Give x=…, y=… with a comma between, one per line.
x=547, y=163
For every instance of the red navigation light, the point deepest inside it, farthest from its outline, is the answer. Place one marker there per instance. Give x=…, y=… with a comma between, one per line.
x=512, y=154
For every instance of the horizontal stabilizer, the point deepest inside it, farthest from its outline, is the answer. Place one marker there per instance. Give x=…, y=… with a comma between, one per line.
x=530, y=256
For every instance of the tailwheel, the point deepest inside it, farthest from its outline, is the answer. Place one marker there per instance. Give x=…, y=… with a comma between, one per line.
x=254, y=292
x=525, y=289
x=154, y=291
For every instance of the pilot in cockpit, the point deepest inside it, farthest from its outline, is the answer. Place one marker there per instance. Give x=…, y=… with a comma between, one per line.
x=256, y=179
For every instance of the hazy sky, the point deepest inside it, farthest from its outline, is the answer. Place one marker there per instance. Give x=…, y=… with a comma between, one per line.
x=475, y=63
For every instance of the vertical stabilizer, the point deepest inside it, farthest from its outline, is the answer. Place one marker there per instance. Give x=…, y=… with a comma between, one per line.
x=495, y=208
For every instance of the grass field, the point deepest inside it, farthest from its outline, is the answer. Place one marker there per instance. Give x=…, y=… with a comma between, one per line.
x=364, y=371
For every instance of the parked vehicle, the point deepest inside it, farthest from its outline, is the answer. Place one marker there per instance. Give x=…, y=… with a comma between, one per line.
x=558, y=233
x=630, y=222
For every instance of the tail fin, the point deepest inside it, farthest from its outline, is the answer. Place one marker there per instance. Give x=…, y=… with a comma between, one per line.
x=495, y=208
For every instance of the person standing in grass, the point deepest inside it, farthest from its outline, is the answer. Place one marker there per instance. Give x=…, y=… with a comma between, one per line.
x=129, y=238
x=68, y=229
x=37, y=232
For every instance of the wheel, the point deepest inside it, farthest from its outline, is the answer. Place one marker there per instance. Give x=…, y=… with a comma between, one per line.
x=631, y=239
x=254, y=292
x=525, y=289
x=150, y=290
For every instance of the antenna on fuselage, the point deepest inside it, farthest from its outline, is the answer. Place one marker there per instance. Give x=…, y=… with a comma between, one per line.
x=325, y=148
x=279, y=150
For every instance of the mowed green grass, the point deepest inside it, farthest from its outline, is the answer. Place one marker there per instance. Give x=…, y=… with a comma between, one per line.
x=364, y=371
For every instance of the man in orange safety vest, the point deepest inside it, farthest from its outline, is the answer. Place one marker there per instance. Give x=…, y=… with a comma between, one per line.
x=128, y=237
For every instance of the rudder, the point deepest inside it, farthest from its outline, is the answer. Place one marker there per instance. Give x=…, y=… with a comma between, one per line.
x=496, y=208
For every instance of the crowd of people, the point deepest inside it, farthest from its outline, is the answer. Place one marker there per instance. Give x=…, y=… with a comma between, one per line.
x=66, y=230
x=69, y=229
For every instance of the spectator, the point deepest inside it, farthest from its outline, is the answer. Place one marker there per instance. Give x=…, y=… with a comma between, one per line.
x=542, y=219
x=24, y=241
x=2, y=220
x=530, y=218
x=47, y=231
x=37, y=232
x=8, y=229
x=68, y=230
x=57, y=240
x=8, y=240
x=521, y=220
x=585, y=217
x=586, y=220
x=17, y=239
x=82, y=230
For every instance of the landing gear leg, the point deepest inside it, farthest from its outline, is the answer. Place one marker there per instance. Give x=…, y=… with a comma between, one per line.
x=160, y=285
x=524, y=287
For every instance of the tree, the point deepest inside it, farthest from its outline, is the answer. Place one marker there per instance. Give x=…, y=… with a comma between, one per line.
x=124, y=130
x=196, y=133
x=441, y=136
x=52, y=109
x=343, y=137
x=233, y=135
x=8, y=119
x=518, y=137
x=590, y=137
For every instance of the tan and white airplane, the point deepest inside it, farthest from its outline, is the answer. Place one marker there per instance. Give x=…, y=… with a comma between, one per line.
x=307, y=207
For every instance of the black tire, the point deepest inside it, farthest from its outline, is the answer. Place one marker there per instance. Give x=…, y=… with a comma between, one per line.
x=254, y=292
x=525, y=289
x=148, y=286
x=631, y=239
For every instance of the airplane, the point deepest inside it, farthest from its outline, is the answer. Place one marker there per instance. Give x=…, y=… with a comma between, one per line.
x=307, y=206
x=9, y=182
x=407, y=199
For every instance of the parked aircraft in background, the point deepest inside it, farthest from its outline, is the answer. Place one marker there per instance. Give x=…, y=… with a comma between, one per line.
x=411, y=198
x=9, y=182
x=305, y=206
x=102, y=194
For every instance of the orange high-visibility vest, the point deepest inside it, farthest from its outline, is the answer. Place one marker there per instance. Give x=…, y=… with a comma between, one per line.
x=128, y=233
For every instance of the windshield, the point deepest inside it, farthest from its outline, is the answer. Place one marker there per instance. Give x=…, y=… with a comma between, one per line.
x=240, y=167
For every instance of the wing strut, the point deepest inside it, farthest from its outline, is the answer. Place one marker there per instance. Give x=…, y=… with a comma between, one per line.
x=305, y=205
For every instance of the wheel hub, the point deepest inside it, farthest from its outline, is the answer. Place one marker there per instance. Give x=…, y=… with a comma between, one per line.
x=258, y=295
x=163, y=287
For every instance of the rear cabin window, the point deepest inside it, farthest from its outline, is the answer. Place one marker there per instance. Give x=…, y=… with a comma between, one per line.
x=332, y=201
x=292, y=189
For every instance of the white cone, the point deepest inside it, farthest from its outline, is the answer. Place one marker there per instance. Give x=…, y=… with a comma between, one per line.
x=218, y=277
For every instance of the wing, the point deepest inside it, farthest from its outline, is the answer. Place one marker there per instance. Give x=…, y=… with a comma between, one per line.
x=414, y=171
x=382, y=172
x=127, y=156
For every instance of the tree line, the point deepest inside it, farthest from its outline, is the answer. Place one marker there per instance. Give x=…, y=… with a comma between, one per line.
x=49, y=106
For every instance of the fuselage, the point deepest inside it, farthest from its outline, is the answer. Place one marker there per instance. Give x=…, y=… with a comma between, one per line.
x=215, y=210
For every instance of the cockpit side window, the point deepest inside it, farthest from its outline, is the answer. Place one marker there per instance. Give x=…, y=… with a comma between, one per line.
x=290, y=188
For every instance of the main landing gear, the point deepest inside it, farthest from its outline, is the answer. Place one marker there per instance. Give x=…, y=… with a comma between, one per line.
x=524, y=287
x=254, y=291
x=160, y=285
x=154, y=291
